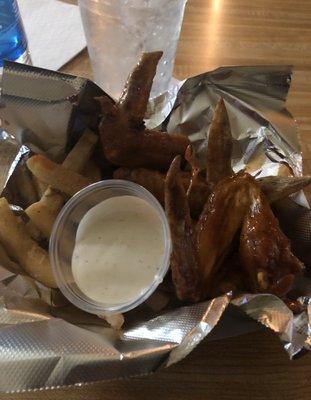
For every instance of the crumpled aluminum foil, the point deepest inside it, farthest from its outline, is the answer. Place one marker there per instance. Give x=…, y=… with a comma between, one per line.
x=46, y=346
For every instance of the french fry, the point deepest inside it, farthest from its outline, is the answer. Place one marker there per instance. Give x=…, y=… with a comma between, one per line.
x=39, y=186
x=7, y=263
x=43, y=213
x=278, y=187
x=32, y=230
x=81, y=152
x=57, y=176
x=115, y=320
x=19, y=245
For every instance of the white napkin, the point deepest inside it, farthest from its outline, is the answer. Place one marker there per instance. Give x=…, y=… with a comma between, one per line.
x=54, y=30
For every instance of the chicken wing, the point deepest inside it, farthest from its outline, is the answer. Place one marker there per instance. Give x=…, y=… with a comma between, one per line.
x=154, y=182
x=219, y=150
x=265, y=252
x=134, y=98
x=184, y=260
x=279, y=187
x=125, y=141
x=219, y=222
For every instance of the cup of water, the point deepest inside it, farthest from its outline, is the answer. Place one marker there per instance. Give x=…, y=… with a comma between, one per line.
x=13, y=43
x=118, y=31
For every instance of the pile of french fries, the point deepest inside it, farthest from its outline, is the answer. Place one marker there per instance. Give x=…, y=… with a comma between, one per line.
x=42, y=188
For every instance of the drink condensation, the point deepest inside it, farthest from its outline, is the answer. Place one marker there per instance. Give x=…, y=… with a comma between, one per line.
x=13, y=42
x=118, y=31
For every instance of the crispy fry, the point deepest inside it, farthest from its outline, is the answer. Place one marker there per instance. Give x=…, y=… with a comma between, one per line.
x=184, y=258
x=32, y=230
x=115, y=320
x=7, y=263
x=219, y=150
x=278, y=187
x=81, y=152
x=39, y=186
x=134, y=98
x=43, y=213
x=32, y=258
x=59, y=177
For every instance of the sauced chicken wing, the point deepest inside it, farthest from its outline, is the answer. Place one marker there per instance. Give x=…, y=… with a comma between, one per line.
x=274, y=187
x=236, y=207
x=125, y=140
x=219, y=222
x=219, y=150
x=265, y=252
x=154, y=181
x=184, y=260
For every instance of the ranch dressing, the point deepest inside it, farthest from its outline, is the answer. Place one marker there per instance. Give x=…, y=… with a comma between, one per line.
x=118, y=250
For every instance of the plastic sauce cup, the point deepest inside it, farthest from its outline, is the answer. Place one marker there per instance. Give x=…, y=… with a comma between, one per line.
x=62, y=243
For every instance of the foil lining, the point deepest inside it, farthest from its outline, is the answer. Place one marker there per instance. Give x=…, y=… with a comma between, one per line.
x=47, y=343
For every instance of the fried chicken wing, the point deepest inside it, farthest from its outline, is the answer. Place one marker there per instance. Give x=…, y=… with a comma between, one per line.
x=219, y=222
x=125, y=141
x=265, y=252
x=219, y=150
x=154, y=181
x=184, y=260
x=278, y=187
x=150, y=179
x=134, y=98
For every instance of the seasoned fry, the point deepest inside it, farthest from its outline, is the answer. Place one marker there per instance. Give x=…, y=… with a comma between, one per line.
x=115, y=320
x=135, y=95
x=184, y=258
x=7, y=263
x=219, y=150
x=81, y=152
x=32, y=258
x=278, y=187
x=32, y=230
x=39, y=186
x=43, y=213
x=59, y=177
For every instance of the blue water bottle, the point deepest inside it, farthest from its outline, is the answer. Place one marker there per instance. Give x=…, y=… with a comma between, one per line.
x=13, y=42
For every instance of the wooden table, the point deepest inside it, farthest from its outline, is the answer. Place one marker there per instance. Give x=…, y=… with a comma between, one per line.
x=253, y=366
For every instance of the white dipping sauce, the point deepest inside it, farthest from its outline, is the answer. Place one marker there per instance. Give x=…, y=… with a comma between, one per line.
x=118, y=250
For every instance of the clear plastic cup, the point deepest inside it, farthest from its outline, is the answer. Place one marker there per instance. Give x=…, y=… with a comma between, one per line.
x=63, y=237
x=118, y=31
